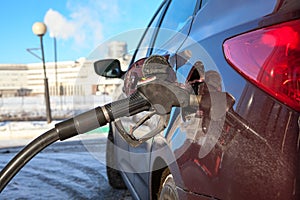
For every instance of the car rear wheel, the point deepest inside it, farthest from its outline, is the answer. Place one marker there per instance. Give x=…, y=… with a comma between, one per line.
x=114, y=176
x=167, y=187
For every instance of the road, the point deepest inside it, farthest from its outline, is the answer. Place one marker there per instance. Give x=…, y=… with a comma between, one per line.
x=65, y=170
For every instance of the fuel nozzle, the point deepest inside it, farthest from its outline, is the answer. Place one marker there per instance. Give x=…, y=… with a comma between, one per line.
x=164, y=95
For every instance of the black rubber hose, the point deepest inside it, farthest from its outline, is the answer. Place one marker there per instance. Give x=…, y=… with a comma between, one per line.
x=82, y=123
x=100, y=116
x=24, y=156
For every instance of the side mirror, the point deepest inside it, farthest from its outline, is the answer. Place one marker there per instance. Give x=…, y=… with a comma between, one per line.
x=110, y=68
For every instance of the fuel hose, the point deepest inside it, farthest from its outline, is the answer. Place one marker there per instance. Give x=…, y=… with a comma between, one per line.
x=158, y=95
x=80, y=124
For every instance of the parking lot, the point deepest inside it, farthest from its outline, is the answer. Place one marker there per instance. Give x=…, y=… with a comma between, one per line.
x=66, y=170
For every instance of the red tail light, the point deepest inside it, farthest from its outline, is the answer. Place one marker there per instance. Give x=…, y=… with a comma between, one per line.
x=270, y=58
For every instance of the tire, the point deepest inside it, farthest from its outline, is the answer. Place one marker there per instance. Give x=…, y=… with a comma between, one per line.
x=168, y=189
x=114, y=176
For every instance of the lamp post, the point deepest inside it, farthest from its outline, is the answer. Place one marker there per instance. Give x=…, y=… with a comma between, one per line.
x=55, y=62
x=40, y=29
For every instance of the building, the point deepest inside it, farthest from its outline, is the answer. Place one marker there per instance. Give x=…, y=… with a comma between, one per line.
x=61, y=78
x=13, y=77
x=68, y=78
x=117, y=49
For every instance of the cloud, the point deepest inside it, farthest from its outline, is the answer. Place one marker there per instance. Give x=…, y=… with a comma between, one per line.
x=82, y=25
x=58, y=25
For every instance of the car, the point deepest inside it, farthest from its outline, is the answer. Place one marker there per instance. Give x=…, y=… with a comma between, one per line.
x=241, y=144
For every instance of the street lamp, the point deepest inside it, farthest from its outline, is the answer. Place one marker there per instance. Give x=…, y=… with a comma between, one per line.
x=55, y=62
x=40, y=29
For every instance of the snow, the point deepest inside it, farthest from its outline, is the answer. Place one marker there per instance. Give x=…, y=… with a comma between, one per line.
x=16, y=133
x=64, y=170
x=61, y=106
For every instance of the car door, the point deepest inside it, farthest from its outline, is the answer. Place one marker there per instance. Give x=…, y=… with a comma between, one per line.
x=125, y=123
x=172, y=30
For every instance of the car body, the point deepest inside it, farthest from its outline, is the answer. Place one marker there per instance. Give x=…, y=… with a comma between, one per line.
x=248, y=49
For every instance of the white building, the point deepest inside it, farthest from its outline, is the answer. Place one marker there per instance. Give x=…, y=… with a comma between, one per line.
x=13, y=77
x=117, y=49
x=69, y=78
x=63, y=77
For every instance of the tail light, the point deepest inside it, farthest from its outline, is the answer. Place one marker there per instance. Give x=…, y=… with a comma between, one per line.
x=270, y=58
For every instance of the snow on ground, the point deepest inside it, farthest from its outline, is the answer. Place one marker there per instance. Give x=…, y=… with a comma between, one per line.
x=21, y=133
x=34, y=106
x=15, y=133
x=64, y=170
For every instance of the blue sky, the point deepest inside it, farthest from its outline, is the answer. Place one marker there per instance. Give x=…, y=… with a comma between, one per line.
x=79, y=25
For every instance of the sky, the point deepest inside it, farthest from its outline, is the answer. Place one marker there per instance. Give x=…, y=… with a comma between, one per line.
x=79, y=26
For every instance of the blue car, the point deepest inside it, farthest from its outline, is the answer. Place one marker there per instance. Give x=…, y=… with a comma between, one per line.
x=244, y=145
